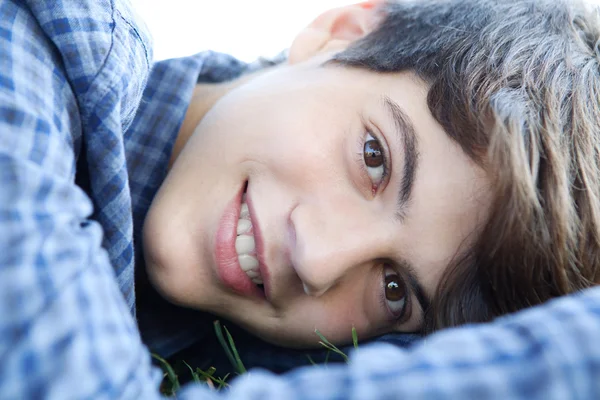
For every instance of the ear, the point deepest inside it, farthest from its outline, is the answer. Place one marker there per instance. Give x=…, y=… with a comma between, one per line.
x=335, y=30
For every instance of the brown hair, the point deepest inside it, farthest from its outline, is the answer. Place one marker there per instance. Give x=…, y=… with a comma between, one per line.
x=516, y=83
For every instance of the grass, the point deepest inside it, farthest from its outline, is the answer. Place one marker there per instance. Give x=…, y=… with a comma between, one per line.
x=229, y=347
x=330, y=346
x=170, y=385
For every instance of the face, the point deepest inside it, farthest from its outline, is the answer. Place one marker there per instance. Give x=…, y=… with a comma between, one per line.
x=315, y=197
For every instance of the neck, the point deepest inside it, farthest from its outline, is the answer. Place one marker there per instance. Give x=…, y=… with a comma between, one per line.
x=203, y=99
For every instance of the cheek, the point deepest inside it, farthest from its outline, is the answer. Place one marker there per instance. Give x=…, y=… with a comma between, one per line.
x=333, y=315
x=279, y=127
x=296, y=155
x=299, y=329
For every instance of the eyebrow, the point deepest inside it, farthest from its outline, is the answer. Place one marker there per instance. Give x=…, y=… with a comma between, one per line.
x=405, y=131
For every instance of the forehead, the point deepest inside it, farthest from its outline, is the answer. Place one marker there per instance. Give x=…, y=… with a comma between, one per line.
x=451, y=197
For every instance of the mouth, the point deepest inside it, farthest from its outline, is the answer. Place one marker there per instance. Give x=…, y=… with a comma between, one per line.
x=238, y=264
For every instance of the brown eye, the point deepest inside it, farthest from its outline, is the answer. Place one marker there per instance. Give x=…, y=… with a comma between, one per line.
x=375, y=160
x=373, y=154
x=395, y=292
x=394, y=289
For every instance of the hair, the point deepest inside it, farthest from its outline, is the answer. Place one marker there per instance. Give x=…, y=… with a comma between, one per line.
x=516, y=83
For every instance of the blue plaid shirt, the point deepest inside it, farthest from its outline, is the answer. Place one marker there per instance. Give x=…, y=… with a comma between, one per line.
x=87, y=124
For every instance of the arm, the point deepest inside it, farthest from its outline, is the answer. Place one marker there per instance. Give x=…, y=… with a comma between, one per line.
x=65, y=328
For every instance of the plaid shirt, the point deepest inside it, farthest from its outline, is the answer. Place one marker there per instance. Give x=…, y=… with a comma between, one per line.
x=87, y=124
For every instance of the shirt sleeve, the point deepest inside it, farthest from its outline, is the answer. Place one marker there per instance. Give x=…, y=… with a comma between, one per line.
x=65, y=328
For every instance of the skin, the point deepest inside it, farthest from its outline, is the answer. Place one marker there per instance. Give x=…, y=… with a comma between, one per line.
x=331, y=232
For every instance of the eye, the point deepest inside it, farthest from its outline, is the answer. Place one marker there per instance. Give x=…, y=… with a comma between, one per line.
x=375, y=161
x=395, y=293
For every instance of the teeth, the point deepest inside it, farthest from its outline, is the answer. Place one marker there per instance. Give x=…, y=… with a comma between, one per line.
x=244, y=212
x=249, y=265
x=252, y=274
x=306, y=289
x=311, y=292
x=247, y=262
x=244, y=226
x=244, y=244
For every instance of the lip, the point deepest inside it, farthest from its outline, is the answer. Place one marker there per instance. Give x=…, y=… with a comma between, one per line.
x=228, y=266
x=258, y=240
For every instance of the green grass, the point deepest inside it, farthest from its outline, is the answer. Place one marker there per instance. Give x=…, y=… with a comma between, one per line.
x=170, y=384
x=330, y=346
x=229, y=347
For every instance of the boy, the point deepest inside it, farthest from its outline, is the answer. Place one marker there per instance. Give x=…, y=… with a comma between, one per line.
x=475, y=124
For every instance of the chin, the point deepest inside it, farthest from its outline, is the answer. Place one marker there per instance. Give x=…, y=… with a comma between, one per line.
x=165, y=262
x=290, y=337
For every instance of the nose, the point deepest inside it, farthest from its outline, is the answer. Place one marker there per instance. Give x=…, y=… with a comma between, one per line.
x=332, y=242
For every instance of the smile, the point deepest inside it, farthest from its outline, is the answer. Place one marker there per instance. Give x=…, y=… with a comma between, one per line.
x=237, y=260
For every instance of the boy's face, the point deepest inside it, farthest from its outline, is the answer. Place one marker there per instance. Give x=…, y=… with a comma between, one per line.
x=357, y=199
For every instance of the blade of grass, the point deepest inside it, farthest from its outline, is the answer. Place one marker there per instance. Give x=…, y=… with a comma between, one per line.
x=330, y=346
x=239, y=364
x=335, y=350
x=205, y=375
x=221, y=339
x=222, y=382
x=195, y=376
x=354, y=338
x=173, y=379
x=229, y=347
x=211, y=378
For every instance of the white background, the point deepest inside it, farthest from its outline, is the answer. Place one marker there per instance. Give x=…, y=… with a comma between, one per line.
x=244, y=28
